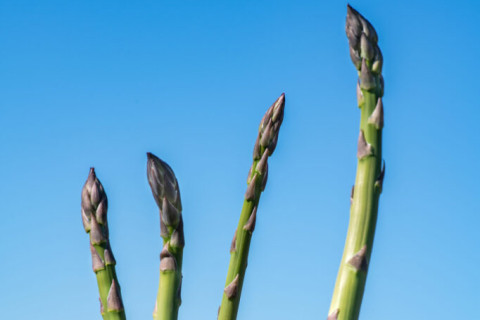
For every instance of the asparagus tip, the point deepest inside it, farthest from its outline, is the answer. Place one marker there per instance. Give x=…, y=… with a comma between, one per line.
x=94, y=202
x=163, y=184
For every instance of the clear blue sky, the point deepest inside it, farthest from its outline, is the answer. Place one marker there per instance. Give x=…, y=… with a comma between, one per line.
x=100, y=83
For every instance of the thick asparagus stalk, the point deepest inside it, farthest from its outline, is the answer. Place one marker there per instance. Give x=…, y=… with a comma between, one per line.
x=166, y=193
x=256, y=181
x=367, y=58
x=94, y=217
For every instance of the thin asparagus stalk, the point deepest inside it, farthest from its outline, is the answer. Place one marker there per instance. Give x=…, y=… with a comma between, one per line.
x=94, y=217
x=166, y=193
x=367, y=58
x=256, y=181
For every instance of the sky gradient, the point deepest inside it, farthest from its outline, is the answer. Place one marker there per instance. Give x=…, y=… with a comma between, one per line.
x=89, y=83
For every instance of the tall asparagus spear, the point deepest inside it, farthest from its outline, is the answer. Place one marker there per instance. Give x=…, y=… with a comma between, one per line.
x=166, y=193
x=256, y=181
x=367, y=58
x=94, y=217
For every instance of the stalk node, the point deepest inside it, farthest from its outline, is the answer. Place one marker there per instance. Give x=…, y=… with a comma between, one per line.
x=333, y=315
x=363, y=149
x=232, y=288
x=359, y=260
x=114, y=300
x=233, y=245
x=250, y=225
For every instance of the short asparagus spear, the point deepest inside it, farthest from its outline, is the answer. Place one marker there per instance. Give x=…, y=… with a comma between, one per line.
x=367, y=58
x=94, y=216
x=166, y=193
x=257, y=178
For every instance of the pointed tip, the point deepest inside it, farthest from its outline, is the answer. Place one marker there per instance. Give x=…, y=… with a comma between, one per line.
x=91, y=174
x=351, y=10
x=278, y=108
x=151, y=156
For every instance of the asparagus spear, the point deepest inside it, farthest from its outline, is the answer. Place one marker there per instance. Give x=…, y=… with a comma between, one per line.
x=256, y=181
x=166, y=193
x=94, y=217
x=367, y=58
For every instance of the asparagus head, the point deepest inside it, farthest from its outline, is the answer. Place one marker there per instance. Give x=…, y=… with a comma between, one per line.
x=166, y=193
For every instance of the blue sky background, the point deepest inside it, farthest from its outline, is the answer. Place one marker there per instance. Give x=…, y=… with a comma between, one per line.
x=100, y=83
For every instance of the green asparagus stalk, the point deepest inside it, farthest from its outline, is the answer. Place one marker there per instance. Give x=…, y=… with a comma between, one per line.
x=166, y=193
x=367, y=58
x=94, y=217
x=256, y=181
